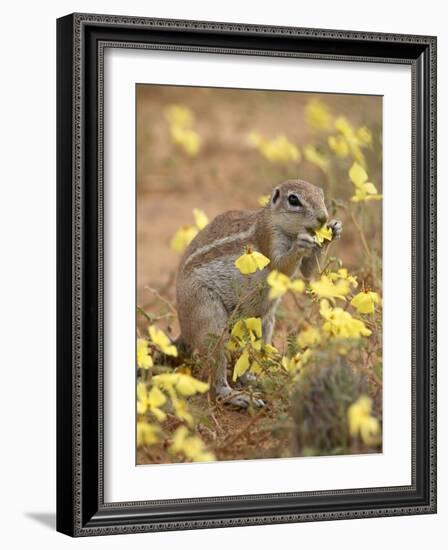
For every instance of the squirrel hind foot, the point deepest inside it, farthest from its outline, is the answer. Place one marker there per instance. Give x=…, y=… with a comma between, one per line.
x=239, y=400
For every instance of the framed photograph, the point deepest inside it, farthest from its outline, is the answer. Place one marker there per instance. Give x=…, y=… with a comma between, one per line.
x=246, y=274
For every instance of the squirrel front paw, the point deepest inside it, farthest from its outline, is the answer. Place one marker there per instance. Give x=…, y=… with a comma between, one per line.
x=306, y=242
x=336, y=228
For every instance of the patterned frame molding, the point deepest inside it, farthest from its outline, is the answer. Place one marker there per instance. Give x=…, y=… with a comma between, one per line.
x=81, y=510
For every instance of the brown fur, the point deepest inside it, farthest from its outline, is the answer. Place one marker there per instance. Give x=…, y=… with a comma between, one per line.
x=209, y=284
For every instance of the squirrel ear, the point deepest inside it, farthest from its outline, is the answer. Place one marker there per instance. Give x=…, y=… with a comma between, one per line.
x=275, y=195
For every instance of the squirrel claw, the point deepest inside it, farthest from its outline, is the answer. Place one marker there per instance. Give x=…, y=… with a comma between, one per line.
x=240, y=400
x=336, y=228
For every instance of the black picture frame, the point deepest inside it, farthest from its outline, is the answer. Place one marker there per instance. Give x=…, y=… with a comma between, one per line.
x=81, y=39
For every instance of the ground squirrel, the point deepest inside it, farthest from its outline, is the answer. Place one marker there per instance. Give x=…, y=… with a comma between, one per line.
x=209, y=285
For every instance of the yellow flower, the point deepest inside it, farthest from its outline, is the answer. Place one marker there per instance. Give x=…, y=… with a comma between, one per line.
x=361, y=422
x=242, y=365
x=340, y=324
x=181, y=409
x=312, y=155
x=292, y=365
x=184, y=384
x=279, y=149
x=183, y=237
x=281, y=283
x=364, y=135
x=339, y=145
x=161, y=341
x=144, y=359
x=246, y=331
x=187, y=138
x=147, y=434
x=368, y=192
x=365, y=190
x=265, y=353
x=318, y=115
x=349, y=134
x=150, y=401
x=179, y=115
x=190, y=445
x=263, y=200
x=187, y=385
x=365, y=301
x=297, y=285
x=200, y=218
x=308, y=337
x=187, y=233
x=326, y=288
x=181, y=119
x=345, y=128
x=250, y=261
x=343, y=273
x=322, y=234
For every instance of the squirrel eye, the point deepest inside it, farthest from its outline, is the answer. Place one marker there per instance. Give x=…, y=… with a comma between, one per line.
x=294, y=200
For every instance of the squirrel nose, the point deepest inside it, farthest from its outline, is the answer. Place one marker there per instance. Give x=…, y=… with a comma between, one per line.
x=322, y=217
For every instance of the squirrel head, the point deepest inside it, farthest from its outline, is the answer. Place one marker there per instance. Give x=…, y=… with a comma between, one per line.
x=297, y=206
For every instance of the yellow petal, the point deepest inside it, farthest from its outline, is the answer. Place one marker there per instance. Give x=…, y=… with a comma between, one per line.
x=179, y=115
x=364, y=135
x=181, y=410
x=297, y=286
x=250, y=261
x=144, y=359
x=260, y=260
x=200, y=218
x=279, y=283
x=188, y=139
x=187, y=385
x=179, y=438
x=369, y=430
x=357, y=174
x=370, y=188
x=365, y=301
x=312, y=155
x=246, y=264
x=310, y=336
x=318, y=115
x=147, y=434
x=325, y=288
x=183, y=237
x=322, y=234
x=241, y=366
x=156, y=398
x=345, y=128
x=142, y=398
x=339, y=145
x=263, y=200
x=161, y=340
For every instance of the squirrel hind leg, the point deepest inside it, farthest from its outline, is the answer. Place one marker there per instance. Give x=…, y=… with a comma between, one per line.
x=201, y=324
x=203, y=319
